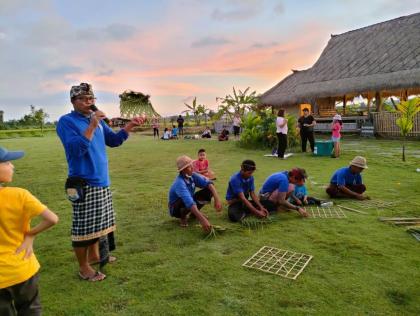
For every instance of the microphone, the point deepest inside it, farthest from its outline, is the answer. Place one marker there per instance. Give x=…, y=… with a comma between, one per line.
x=94, y=108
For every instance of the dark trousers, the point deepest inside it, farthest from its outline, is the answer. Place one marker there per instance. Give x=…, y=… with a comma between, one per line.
x=155, y=132
x=305, y=136
x=238, y=210
x=21, y=299
x=333, y=189
x=181, y=130
x=282, y=144
x=201, y=198
x=311, y=201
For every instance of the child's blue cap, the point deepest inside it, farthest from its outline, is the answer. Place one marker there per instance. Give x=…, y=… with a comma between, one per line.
x=6, y=155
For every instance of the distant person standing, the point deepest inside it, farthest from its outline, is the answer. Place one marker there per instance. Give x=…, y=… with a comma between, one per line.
x=306, y=126
x=237, y=125
x=180, y=121
x=281, y=124
x=155, y=126
x=336, y=134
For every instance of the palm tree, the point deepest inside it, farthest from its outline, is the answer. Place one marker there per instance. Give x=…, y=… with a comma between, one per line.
x=408, y=110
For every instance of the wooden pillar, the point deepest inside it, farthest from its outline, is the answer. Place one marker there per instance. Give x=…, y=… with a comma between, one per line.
x=344, y=104
x=368, y=104
x=404, y=95
x=378, y=101
x=272, y=109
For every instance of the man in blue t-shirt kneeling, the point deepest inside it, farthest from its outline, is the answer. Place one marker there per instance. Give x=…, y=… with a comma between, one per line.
x=241, y=187
x=184, y=201
x=347, y=181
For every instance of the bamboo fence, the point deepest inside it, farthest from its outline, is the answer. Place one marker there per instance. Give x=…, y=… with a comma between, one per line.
x=385, y=124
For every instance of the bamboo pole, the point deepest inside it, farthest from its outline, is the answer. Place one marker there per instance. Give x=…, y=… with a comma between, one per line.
x=352, y=209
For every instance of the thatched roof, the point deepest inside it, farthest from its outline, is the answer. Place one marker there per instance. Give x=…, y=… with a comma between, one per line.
x=383, y=56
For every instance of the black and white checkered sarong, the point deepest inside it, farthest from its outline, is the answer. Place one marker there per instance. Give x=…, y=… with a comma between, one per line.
x=94, y=217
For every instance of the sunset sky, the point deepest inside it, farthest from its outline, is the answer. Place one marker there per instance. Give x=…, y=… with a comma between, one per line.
x=172, y=50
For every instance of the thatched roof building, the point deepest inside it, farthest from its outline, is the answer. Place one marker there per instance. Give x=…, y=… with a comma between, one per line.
x=375, y=61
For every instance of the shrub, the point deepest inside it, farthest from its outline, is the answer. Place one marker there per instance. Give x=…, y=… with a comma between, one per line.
x=259, y=131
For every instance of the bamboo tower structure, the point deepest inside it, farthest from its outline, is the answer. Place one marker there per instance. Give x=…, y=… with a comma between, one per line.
x=134, y=103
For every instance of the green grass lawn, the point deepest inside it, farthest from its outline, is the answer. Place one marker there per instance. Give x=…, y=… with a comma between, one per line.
x=360, y=265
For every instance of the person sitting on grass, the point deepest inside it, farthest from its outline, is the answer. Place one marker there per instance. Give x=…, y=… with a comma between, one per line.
x=174, y=134
x=166, y=134
x=240, y=188
x=347, y=181
x=19, y=268
x=201, y=165
x=276, y=188
x=224, y=135
x=300, y=196
x=183, y=199
x=206, y=133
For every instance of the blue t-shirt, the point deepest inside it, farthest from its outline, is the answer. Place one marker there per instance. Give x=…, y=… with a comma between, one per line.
x=86, y=158
x=278, y=180
x=344, y=176
x=175, y=131
x=183, y=188
x=300, y=191
x=237, y=184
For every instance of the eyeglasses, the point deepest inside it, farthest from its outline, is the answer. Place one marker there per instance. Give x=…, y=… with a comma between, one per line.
x=84, y=99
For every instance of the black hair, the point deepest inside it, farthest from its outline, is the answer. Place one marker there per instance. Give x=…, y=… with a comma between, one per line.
x=202, y=150
x=280, y=113
x=305, y=110
x=248, y=165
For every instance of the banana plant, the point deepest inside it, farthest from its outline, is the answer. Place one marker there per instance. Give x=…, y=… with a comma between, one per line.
x=408, y=110
x=238, y=102
x=195, y=109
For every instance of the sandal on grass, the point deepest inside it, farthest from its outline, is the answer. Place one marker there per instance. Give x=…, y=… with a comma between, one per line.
x=98, y=276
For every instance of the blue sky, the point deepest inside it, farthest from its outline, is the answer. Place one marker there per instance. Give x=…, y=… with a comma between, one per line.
x=172, y=50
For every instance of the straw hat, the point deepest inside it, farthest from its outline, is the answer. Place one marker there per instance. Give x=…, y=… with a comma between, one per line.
x=183, y=162
x=359, y=161
x=337, y=117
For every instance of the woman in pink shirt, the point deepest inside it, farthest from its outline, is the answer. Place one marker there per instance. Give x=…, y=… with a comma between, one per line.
x=336, y=135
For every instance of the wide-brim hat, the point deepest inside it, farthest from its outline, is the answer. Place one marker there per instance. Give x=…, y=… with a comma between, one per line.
x=337, y=117
x=183, y=162
x=6, y=155
x=359, y=161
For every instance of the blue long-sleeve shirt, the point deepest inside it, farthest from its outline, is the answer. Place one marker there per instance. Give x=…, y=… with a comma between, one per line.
x=184, y=189
x=88, y=158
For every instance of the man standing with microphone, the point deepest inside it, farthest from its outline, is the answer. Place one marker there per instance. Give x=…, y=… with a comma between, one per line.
x=85, y=136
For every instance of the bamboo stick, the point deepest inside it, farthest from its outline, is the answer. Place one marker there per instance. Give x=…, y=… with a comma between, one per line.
x=382, y=219
x=352, y=209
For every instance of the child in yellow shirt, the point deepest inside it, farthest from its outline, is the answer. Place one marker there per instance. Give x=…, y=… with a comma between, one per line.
x=18, y=264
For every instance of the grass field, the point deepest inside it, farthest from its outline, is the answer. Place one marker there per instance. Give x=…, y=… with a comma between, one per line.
x=360, y=265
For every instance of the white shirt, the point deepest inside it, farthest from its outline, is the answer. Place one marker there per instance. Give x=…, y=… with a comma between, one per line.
x=237, y=121
x=280, y=121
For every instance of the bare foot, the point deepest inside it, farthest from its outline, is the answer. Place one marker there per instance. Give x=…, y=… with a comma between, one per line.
x=183, y=222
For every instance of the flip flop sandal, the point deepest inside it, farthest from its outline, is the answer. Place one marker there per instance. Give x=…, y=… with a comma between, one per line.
x=97, y=277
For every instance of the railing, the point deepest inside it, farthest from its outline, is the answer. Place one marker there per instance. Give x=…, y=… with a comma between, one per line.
x=385, y=124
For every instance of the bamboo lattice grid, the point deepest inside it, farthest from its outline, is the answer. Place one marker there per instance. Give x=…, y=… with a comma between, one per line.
x=325, y=212
x=285, y=263
x=371, y=204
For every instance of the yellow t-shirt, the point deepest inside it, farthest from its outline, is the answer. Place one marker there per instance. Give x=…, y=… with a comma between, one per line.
x=17, y=208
